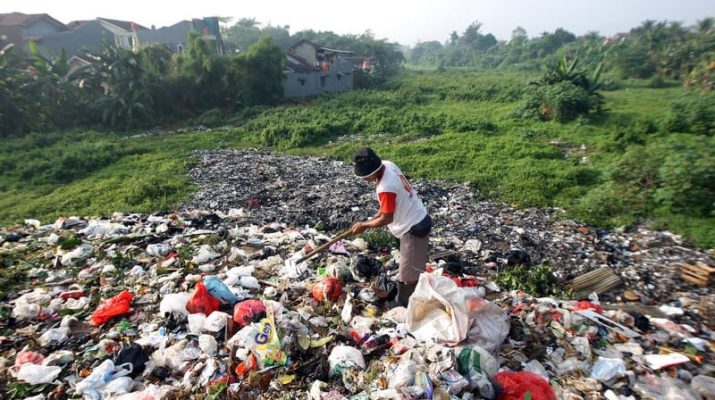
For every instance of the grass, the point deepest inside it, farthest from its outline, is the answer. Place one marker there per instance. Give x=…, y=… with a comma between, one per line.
x=453, y=125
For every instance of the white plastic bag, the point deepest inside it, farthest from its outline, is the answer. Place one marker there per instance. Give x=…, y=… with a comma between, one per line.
x=440, y=311
x=205, y=254
x=207, y=344
x=100, y=376
x=80, y=253
x=56, y=335
x=157, y=249
x=606, y=369
x=35, y=374
x=174, y=303
x=216, y=321
x=344, y=357
x=196, y=322
x=120, y=385
x=249, y=282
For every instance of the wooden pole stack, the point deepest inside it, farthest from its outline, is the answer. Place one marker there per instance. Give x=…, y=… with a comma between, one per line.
x=598, y=281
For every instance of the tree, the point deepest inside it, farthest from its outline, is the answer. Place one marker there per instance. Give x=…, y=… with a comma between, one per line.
x=426, y=52
x=12, y=115
x=124, y=100
x=258, y=74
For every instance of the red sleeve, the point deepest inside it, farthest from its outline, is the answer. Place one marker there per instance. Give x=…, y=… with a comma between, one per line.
x=388, y=202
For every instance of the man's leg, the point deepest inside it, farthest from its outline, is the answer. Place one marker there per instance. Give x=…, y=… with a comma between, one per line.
x=413, y=261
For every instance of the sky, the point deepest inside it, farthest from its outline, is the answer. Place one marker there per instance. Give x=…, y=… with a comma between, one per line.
x=403, y=21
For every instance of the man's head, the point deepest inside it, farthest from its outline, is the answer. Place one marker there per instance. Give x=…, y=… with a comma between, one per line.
x=366, y=164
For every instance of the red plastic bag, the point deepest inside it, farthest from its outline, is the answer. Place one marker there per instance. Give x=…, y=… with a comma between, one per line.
x=248, y=311
x=328, y=289
x=587, y=305
x=112, y=307
x=201, y=301
x=515, y=385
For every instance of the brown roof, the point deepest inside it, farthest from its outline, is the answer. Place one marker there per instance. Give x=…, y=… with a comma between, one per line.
x=298, y=64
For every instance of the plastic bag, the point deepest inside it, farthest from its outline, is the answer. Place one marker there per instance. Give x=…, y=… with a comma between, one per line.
x=123, y=384
x=249, y=282
x=329, y=289
x=606, y=369
x=60, y=358
x=195, y=322
x=208, y=344
x=519, y=385
x=248, y=311
x=174, y=303
x=364, y=268
x=201, y=301
x=38, y=374
x=454, y=381
x=219, y=290
x=338, y=269
x=265, y=344
x=440, y=311
x=477, y=365
x=112, y=307
x=344, y=357
x=54, y=335
x=99, y=378
x=80, y=253
x=205, y=255
x=135, y=355
x=216, y=321
x=158, y=250
x=28, y=357
x=475, y=360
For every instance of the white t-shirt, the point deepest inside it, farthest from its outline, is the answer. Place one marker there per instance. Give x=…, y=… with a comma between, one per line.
x=409, y=209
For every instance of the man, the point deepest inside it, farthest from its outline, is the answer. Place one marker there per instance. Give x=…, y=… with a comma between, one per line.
x=403, y=213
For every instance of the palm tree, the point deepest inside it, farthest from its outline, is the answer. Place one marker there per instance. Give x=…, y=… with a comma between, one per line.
x=126, y=101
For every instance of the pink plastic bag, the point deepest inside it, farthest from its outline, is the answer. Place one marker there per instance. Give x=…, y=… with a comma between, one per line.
x=515, y=385
x=25, y=357
x=112, y=307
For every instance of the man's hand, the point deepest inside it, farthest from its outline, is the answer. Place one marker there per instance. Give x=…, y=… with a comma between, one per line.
x=359, y=228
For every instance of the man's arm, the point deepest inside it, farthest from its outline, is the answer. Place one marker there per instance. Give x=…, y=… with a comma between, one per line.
x=376, y=222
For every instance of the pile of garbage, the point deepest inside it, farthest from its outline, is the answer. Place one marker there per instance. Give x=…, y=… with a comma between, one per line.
x=323, y=192
x=216, y=303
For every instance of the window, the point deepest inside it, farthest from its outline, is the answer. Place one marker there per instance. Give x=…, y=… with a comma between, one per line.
x=180, y=48
x=322, y=81
x=339, y=76
x=302, y=81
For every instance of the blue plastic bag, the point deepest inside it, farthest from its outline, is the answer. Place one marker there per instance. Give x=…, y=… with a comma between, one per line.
x=219, y=290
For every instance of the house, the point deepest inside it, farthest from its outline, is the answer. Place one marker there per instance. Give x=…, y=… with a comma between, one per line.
x=90, y=35
x=18, y=29
x=312, y=69
x=175, y=37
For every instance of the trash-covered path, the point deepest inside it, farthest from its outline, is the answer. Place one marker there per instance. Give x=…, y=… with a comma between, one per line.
x=209, y=301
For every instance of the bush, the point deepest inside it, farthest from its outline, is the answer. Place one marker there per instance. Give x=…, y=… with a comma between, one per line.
x=212, y=117
x=693, y=113
x=687, y=180
x=561, y=102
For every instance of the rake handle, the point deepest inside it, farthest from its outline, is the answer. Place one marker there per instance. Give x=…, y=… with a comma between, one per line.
x=325, y=246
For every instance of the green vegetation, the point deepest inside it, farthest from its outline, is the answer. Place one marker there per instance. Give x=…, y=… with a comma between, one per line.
x=537, y=281
x=614, y=132
x=653, y=49
x=644, y=157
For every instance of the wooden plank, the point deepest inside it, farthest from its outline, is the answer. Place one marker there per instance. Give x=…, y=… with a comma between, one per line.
x=699, y=274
